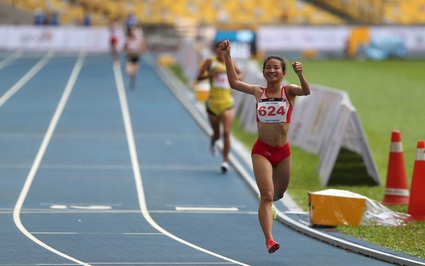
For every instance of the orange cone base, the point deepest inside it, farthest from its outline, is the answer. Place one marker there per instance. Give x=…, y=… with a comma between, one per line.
x=417, y=196
x=413, y=218
x=396, y=191
x=395, y=200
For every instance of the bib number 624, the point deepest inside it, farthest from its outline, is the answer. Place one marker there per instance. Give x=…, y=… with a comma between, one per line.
x=271, y=110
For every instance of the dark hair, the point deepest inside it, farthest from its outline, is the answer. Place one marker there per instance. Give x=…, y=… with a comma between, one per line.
x=281, y=59
x=216, y=44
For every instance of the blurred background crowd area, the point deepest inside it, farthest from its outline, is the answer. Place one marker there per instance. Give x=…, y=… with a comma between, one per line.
x=223, y=13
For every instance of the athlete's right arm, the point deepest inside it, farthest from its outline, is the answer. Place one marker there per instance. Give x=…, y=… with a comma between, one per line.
x=232, y=75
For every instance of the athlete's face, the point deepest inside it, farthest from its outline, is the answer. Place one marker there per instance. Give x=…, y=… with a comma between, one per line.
x=218, y=53
x=273, y=70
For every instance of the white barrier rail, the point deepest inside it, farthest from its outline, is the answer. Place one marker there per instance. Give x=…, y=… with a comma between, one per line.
x=282, y=39
x=53, y=38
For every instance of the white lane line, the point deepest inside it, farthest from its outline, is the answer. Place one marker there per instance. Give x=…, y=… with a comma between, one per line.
x=10, y=59
x=148, y=234
x=54, y=233
x=75, y=211
x=18, y=85
x=93, y=233
x=207, y=209
x=136, y=170
x=39, y=157
x=91, y=207
x=113, y=167
x=156, y=263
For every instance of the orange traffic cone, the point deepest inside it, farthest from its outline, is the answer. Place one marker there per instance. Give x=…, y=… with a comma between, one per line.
x=417, y=196
x=396, y=191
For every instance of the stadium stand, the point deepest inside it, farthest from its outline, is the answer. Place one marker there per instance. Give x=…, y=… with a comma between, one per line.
x=235, y=13
x=12, y=15
x=405, y=12
x=225, y=13
x=390, y=12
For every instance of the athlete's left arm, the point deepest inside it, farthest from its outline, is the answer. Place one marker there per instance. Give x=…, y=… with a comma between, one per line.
x=238, y=70
x=297, y=90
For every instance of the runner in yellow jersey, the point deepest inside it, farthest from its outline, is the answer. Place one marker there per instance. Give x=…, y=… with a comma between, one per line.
x=220, y=102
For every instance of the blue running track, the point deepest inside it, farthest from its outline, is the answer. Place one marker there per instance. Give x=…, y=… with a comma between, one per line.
x=95, y=173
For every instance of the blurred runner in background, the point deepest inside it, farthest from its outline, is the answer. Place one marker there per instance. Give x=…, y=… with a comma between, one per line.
x=219, y=106
x=134, y=46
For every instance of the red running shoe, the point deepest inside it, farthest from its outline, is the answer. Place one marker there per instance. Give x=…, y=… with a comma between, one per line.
x=272, y=246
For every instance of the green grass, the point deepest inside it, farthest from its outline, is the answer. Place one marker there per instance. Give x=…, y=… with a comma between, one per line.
x=388, y=95
x=407, y=239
